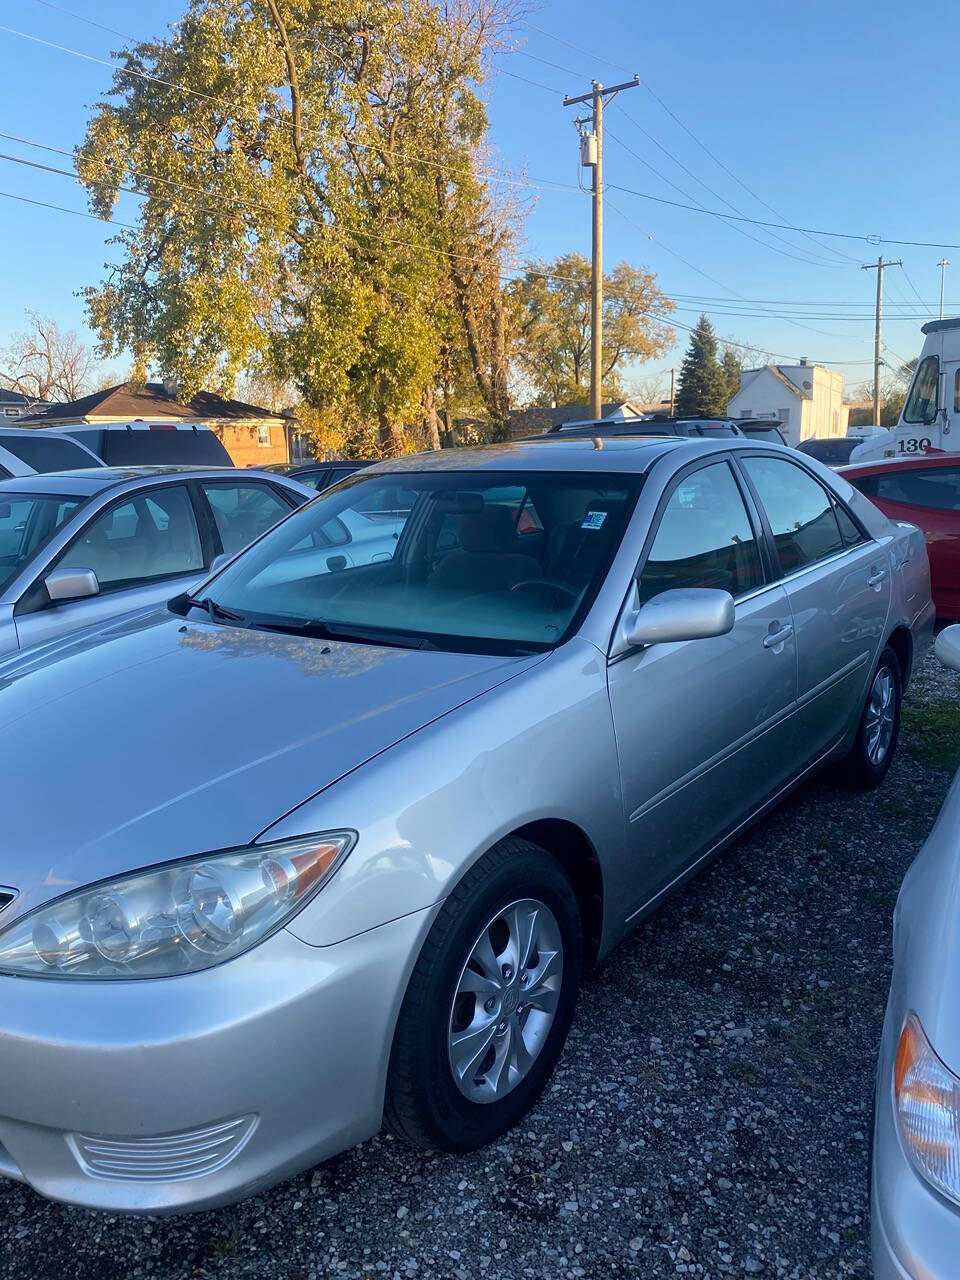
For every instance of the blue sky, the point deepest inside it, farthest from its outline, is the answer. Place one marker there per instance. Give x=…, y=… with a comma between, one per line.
x=838, y=116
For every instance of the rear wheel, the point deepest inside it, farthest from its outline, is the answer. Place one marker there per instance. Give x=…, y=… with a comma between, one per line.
x=872, y=752
x=489, y=1003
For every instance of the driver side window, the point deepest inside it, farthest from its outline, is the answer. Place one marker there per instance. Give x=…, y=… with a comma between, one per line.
x=150, y=536
x=704, y=538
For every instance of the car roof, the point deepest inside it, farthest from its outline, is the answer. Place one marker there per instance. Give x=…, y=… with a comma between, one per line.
x=87, y=482
x=135, y=424
x=549, y=452
x=930, y=461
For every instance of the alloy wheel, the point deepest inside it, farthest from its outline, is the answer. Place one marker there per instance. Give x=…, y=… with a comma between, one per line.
x=505, y=1000
x=880, y=715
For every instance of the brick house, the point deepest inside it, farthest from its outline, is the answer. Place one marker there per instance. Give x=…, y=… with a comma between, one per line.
x=252, y=436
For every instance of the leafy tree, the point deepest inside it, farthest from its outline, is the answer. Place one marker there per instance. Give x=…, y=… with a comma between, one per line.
x=703, y=380
x=551, y=305
x=313, y=204
x=45, y=363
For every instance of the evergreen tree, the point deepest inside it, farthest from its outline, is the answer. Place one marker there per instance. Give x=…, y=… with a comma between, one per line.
x=732, y=366
x=703, y=382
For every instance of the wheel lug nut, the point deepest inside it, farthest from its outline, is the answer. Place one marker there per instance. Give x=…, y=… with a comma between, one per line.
x=501, y=1029
x=490, y=1004
x=524, y=979
x=507, y=972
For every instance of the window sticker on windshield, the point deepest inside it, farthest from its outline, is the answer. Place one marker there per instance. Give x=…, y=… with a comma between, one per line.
x=594, y=520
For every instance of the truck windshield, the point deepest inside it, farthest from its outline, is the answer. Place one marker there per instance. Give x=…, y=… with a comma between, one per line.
x=483, y=561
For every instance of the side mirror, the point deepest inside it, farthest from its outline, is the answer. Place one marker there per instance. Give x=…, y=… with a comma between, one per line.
x=947, y=647
x=71, y=584
x=686, y=613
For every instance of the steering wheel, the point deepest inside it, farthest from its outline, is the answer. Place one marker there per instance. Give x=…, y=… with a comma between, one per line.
x=550, y=584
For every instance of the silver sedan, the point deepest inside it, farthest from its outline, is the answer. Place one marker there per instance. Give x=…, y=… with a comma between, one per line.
x=79, y=547
x=915, y=1174
x=348, y=826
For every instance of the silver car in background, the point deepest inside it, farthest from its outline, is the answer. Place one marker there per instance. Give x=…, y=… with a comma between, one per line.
x=80, y=547
x=915, y=1173
x=346, y=832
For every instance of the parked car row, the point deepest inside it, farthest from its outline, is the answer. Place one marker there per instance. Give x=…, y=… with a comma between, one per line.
x=363, y=802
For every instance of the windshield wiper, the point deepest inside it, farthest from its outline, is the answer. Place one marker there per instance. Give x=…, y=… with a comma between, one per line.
x=215, y=611
x=317, y=629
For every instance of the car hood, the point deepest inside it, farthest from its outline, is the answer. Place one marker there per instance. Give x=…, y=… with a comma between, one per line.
x=158, y=738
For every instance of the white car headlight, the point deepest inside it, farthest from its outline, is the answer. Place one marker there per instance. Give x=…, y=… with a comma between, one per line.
x=927, y=1099
x=175, y=918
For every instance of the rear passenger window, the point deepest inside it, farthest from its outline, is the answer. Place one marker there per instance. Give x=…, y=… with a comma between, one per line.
x=46, y=452
x=800, y=512
x=935, y=487
x=704, y=538
x=849, y=529
x=243, y=511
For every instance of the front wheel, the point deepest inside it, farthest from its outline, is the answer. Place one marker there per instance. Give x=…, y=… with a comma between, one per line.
x=871, y=755
x=489, y=1003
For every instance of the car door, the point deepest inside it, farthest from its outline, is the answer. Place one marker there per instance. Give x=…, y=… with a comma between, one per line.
x=837, y=580
x=704, y=727
x=144, y=547
x=242, y=510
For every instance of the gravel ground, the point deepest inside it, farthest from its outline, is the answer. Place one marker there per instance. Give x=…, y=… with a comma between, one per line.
x=709, y=1117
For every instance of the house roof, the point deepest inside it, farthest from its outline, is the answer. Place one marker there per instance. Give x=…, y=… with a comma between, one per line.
x=131, y=400
x=777, y=373
x=18, y=399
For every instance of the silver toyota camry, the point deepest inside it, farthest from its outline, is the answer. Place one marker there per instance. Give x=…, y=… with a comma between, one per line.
x=347, y=827
x=915, y=1174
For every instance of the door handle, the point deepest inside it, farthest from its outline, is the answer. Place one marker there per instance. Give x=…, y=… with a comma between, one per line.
x=876, y=577
x=774, y=638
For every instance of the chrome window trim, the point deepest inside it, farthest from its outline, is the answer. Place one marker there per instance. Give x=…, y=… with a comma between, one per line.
x=827, y=560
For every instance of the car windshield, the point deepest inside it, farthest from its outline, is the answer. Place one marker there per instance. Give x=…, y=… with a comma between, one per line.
x=489, y=562
x=27, y=521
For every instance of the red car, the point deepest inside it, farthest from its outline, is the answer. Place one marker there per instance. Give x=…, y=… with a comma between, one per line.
x=925, y=491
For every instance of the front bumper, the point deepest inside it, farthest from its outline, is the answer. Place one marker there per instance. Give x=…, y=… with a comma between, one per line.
x=915, y=1233
x=171, y=1094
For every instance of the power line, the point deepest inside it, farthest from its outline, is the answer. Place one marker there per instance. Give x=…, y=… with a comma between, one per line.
x=664, y=319
x=716, y=194
x=912, y=286
x=732, y=227
x=62, y=208
x=594, y=57
x=525, y=53
x=530, y=269
x=48, y=4
x=758, y=222
x=494, y=175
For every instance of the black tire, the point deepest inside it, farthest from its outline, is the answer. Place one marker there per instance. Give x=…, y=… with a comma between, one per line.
x=858, y=770
x=423, y=1102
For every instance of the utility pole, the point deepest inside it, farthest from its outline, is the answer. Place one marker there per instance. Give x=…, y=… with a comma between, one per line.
x=591, y=156
x=942, y=264
x=672, y=398
x=878, y=267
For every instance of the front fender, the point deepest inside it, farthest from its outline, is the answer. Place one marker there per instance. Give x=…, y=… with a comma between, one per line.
x=540, y=746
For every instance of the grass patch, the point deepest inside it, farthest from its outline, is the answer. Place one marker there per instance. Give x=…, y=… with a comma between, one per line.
x=932, y=732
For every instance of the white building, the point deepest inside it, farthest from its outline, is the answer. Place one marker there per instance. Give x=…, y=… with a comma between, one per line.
x=806, y=398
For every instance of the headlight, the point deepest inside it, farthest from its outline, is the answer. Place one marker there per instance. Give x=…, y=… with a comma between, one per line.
x=174, y=918
x=927, y=1098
